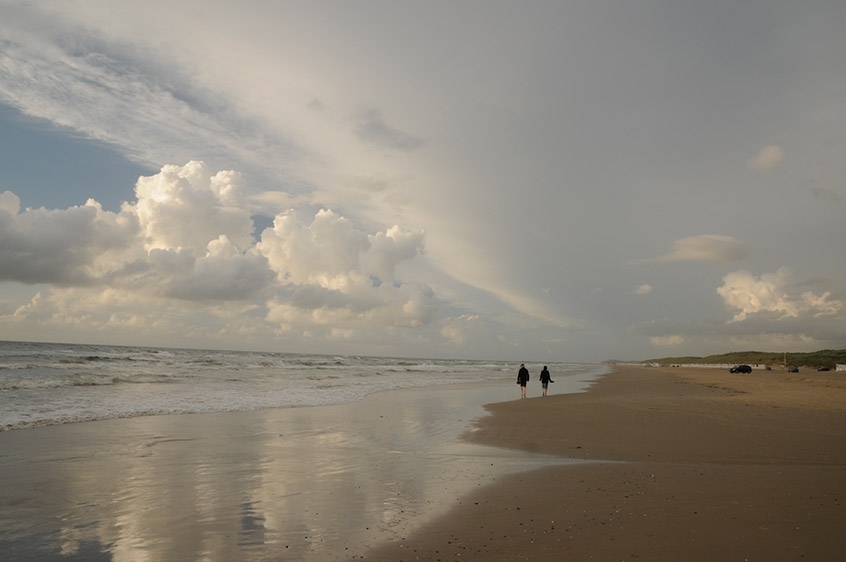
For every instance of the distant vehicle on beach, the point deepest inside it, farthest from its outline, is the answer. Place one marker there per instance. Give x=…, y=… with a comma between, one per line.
x=793, y=369
x=824, y=369
x=741, y=369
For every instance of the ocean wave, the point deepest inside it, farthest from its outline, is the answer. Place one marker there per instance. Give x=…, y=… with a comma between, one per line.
x=81, y=380
x=46, y=384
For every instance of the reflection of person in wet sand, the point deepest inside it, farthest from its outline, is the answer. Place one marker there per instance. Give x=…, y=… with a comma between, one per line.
x=522, y=379
x=545, y=379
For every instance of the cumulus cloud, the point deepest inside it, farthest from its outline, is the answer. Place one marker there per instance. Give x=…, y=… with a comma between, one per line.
x=64, y=247
x=389, y=248
x=644, y=289
x=767, y=159
x=332, y=253
x=342, y=274
x=187, y=207
x=222, y=274
x=188, y=239
x=10, y=203
x=409, y=306
x=325, y=252
x=772, y=293
x=712, y=248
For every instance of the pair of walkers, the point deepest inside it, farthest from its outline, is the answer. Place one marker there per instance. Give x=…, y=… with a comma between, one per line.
x=523, y=379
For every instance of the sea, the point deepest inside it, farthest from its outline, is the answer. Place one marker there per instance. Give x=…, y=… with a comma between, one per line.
x=95, y=465
x=44, y=384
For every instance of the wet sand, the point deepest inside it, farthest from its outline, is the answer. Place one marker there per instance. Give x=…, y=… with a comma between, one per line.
x=708, y=466
x=316, y=484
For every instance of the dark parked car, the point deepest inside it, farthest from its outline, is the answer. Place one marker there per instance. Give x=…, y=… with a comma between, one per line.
x=824, y=369
x=741, y=369
x=793, y=369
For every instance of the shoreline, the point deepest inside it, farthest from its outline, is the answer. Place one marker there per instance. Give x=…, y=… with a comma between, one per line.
x=681, y=465
x=316, y=484
x=708, y=466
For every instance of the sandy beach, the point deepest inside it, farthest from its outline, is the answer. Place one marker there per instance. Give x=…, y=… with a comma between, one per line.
x=649, y=464
x=715, y=466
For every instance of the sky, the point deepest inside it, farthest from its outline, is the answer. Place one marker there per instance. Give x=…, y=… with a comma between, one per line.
x=515, y=181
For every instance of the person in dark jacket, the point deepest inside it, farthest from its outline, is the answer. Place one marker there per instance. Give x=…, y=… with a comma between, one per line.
x=545, y=379
x=522, y=379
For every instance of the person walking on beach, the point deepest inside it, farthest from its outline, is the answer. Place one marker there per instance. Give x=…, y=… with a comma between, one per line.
x=545, y=379
x=522, y=379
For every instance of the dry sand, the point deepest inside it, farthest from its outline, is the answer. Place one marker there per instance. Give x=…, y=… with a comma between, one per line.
x=716, y=467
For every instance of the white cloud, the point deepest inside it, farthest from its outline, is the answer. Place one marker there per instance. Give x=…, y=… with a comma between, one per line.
x=767, y=159
x=388, y=249
x=116, y=314
x=321, y=310
x=326, y=252
x=340, y=275
x=76, y=246
x=188, y=239
x=10, y=203
x=184, y=221
x=772, y=293
x=332, y=253
x=644, y=289
x=187, y=207
x=33, y=310
x=222, y=274
x=712, y=248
